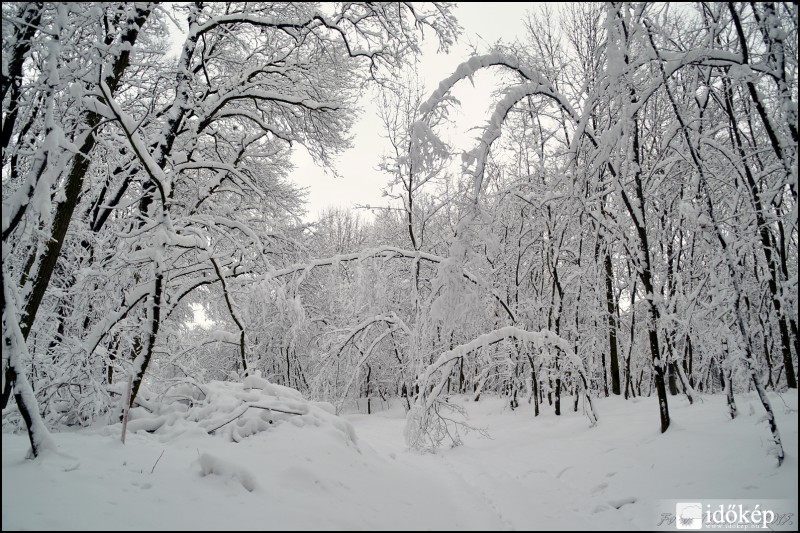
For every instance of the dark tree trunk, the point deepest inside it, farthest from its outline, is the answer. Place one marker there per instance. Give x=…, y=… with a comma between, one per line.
x=767, y=246
x=612, y=327
x=74, y=184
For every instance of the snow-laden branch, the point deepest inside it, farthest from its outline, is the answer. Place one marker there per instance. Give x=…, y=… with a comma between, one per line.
x=493, y=128
x=363, y=360
x=425, y=143
x=255, y=93
x=249, y=18
x=389, y=318
x=387, y=252
x=101, y=329
x=420, y=417
x=227, y=168
x=476, y=63
x=538, y=339
x=138, y=145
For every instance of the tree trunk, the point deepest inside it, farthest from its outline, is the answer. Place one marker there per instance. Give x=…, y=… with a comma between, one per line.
x=612, y=326
x=44, y=268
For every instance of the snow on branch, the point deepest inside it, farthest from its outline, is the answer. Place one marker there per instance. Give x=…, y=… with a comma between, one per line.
x=426, y=144
x=421, y=418
x=388, y=318
x=538, y=339
x=493, y=129
x=387, y=252
x=361, y=362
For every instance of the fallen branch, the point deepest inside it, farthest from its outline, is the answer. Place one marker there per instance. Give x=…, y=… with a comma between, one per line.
x=248, y=406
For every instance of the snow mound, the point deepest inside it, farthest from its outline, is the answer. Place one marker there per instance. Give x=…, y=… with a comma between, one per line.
x=210, y=464
x=233, y=411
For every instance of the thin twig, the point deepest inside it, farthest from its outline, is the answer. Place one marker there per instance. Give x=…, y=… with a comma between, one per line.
x=157, y=460
x=255, y=407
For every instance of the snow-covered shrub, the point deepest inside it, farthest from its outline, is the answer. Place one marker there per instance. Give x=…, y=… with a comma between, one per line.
x=233, y=411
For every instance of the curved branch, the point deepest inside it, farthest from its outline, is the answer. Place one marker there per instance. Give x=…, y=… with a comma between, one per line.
x=448, y=359
x=387, y=252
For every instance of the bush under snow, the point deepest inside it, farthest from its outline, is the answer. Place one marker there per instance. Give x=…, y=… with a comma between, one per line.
x=233, y=411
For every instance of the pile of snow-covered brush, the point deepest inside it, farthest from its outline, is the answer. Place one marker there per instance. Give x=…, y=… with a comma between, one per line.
x=231, y=410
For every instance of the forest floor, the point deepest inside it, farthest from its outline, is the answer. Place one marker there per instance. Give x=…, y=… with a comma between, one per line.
x=540, y=473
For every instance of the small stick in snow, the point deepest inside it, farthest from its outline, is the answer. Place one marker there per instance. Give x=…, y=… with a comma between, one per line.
x=157, y=460
x=127, y=409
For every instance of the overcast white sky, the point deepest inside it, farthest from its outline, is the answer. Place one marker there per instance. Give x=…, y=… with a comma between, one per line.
x=360, y=183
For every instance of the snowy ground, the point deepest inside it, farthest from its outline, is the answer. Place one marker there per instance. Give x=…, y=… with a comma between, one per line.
x=543, y=473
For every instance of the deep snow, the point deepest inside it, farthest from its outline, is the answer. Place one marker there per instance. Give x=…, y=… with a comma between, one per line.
x=533, y=473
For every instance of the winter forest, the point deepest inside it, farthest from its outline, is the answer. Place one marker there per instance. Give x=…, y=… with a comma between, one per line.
x=581, y=304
